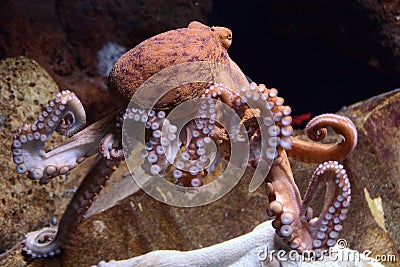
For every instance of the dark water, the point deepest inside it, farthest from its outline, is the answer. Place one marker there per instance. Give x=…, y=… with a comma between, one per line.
x=310, y=74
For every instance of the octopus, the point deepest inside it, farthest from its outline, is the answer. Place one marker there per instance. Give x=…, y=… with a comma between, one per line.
x=262, y=113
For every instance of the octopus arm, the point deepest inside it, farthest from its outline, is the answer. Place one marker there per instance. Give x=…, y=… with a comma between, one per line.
x=65, y=114
x=49, y=241
x=293, y=221
x=309, y=151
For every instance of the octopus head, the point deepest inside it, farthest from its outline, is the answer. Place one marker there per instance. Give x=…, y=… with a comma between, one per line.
x=224, y=35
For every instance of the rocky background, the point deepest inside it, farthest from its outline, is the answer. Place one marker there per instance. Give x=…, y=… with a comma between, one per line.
x=65, y=37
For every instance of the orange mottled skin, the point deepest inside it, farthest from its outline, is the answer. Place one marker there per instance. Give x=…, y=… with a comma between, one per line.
x=197, y=42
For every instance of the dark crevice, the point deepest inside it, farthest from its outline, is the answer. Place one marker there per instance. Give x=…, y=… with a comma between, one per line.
x=310, y=72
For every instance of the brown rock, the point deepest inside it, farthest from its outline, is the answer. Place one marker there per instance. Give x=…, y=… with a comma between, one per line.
x=376, y=162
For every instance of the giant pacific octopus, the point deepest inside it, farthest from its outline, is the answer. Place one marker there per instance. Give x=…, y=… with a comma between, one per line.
x=294, y=221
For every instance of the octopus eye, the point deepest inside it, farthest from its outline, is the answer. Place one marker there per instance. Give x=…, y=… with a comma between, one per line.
x=229, y=37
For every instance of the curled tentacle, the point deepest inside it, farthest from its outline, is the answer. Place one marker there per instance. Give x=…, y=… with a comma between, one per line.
x=66, y=115
x=316, y=130
x=326, y=227
x=73, y=118
x=39, y=244
x=49, y=242
x=108, y=150
x=292, y=222
x=111, y=144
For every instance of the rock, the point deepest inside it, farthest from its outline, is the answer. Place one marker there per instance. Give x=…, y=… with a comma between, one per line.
x=376, y=161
